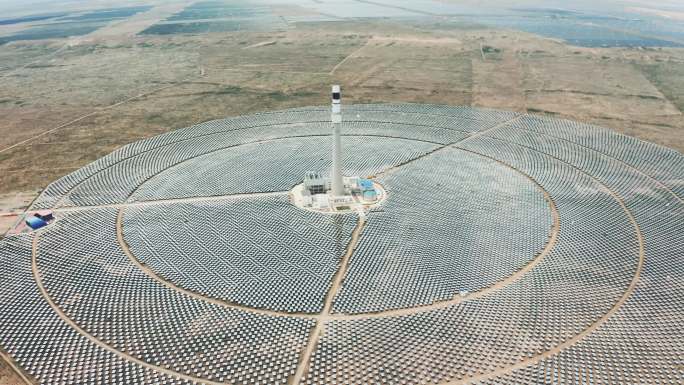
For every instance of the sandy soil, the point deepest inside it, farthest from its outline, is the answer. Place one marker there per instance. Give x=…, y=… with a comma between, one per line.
x=9, y=376
x=12, y=206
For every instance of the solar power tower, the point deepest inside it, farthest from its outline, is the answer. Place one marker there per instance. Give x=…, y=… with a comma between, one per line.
x=336, y=117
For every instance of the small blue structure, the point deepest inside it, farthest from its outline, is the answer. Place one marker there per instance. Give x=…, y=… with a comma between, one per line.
x=35, y=223
x=365, y=185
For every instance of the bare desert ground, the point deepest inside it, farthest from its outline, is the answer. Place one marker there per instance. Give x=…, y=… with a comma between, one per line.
x=9, y=375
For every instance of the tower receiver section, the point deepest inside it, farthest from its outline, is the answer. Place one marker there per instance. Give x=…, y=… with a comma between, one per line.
x=336, y=118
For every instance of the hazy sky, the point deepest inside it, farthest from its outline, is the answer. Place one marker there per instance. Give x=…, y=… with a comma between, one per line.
x=10, y=8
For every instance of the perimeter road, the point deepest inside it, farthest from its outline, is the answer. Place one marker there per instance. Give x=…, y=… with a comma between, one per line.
x=553, y=237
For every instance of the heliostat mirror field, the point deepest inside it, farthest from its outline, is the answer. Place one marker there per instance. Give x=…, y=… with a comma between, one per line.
x=509, y=249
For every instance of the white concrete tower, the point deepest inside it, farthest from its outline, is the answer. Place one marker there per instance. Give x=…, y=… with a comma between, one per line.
x=337, y=188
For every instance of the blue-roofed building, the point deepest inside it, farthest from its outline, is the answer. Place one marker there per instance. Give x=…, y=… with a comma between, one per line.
x=35, y=223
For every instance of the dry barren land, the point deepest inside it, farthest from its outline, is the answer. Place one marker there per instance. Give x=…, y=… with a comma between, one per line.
x=66, y=103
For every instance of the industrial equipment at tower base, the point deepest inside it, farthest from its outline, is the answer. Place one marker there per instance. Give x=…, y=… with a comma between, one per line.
x=336, y=192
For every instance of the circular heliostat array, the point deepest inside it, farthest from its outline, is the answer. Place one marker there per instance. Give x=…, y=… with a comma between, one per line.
x=507, y=249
